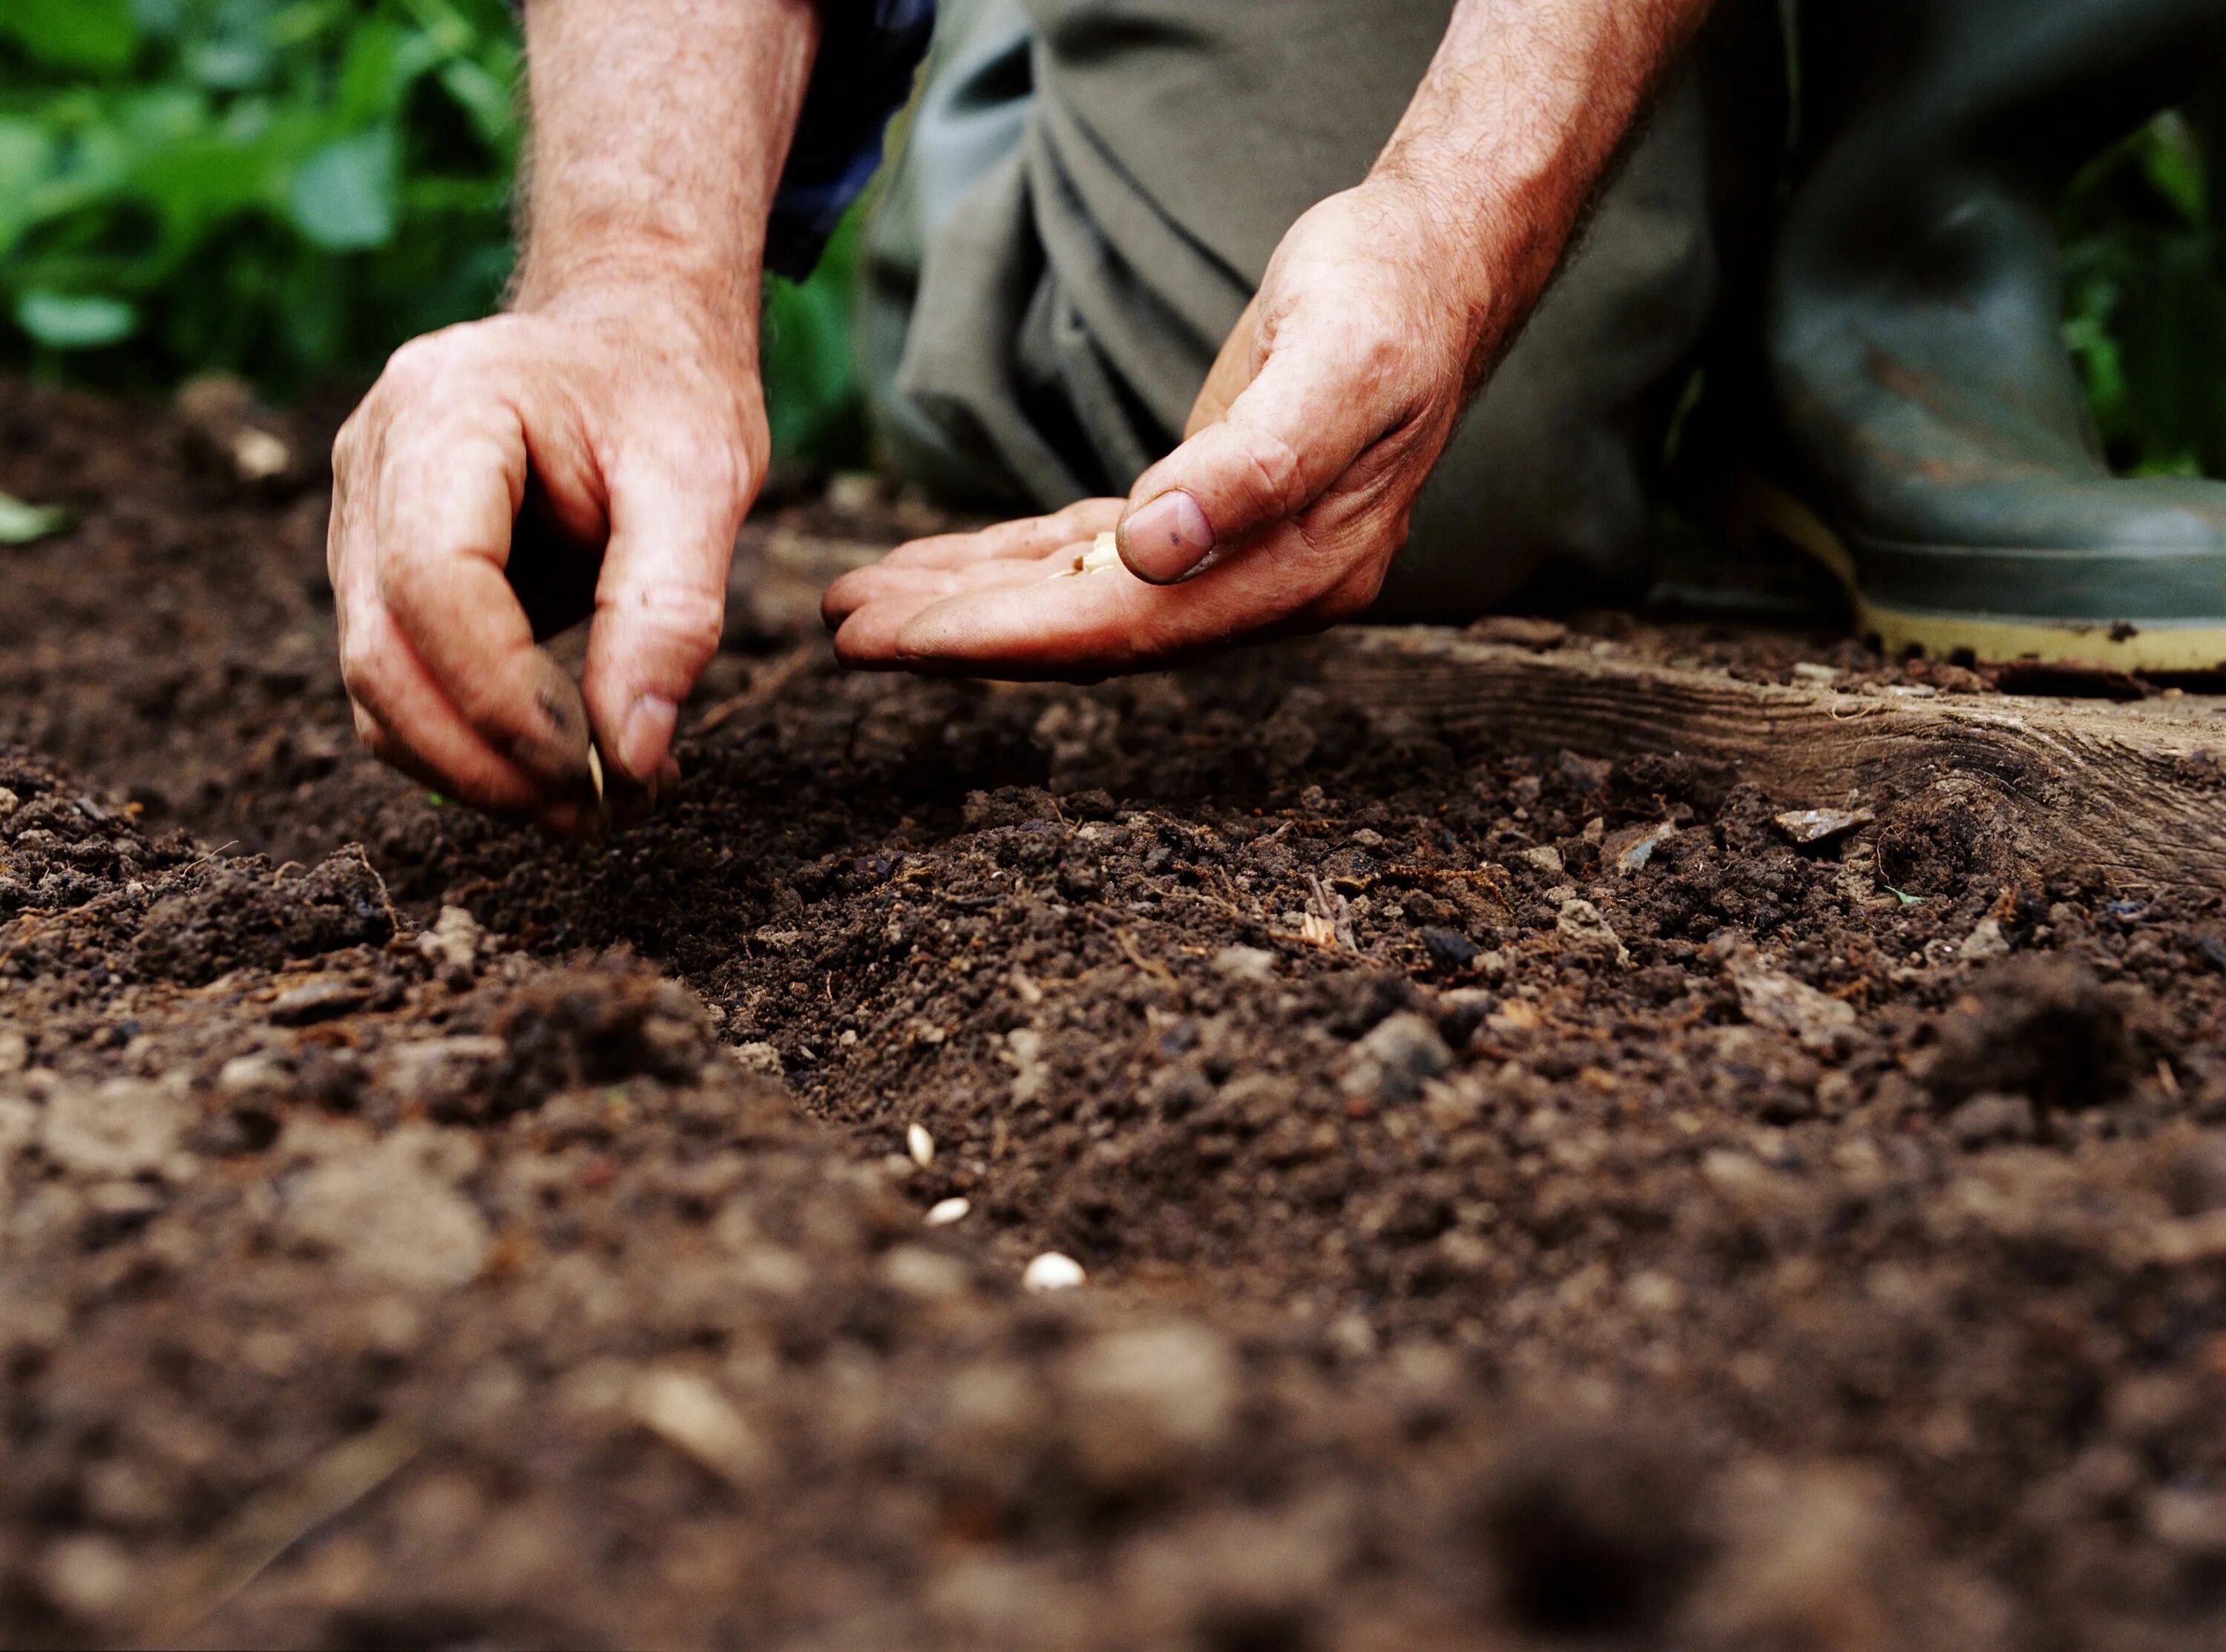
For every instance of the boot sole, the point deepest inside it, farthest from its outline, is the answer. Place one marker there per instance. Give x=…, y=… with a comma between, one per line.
x=2171, y=645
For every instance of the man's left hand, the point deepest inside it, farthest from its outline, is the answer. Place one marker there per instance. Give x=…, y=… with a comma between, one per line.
x=1282, y=510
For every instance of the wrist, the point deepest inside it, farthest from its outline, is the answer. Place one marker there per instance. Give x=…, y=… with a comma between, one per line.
x=708, y=311
x=1457, y=271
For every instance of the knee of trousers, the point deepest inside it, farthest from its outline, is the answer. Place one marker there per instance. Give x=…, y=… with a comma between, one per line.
x=1565, y=507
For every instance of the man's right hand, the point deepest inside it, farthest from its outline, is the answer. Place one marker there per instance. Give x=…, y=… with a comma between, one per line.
x=633, y=407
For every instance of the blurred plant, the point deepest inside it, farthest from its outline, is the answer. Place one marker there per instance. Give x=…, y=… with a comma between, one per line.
x=283, y=188
x=288, y=189
x=2145, y=297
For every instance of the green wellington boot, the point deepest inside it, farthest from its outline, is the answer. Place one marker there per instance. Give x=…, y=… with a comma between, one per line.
x=1915, y=335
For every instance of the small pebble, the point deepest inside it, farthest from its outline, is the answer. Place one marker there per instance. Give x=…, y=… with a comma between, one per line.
x=1245, y=963
x=1052, y=1272
x=919, y=1145
x=1807, y=826
x=943, y=1213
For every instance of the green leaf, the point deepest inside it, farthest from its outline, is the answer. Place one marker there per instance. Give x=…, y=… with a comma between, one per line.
x=75, y=321
x=23, y=524
x=343, y=197
x=27, y=156
x=101, y=36
x=485, y=99
x=160, y=18
x=231, y=64
x=383, y=62
x=2172, y=157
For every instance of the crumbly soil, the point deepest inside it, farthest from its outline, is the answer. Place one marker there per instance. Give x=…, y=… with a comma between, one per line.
x=1527, y=1200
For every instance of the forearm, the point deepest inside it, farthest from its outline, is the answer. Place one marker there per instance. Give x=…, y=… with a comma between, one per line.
x=660, y=128
x=1523, y=109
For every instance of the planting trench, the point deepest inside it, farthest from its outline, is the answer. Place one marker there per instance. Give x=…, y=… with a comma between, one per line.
x=1530, y=1194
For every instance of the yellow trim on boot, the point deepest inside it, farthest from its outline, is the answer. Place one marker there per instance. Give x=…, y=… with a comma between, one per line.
x=2158, y=646
x=2152, y=648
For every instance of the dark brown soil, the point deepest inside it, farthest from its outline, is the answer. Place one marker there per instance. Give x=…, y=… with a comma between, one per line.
x=416, y=1234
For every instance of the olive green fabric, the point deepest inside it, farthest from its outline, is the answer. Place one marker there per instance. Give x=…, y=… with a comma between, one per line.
x=1091, y=192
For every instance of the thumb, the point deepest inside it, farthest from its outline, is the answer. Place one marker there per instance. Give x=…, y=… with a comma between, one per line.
x=1289, y=435
x=660, y=605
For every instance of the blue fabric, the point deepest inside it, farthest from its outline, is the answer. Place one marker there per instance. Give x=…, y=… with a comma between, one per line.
x=870, y=50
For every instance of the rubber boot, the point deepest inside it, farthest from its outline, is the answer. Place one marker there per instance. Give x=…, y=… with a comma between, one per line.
x=1915, y=335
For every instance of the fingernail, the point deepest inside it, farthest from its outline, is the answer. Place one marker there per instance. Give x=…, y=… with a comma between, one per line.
x=1165, y=539
x=648, y=735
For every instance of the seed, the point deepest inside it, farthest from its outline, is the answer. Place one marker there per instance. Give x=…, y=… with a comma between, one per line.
x=595, y=777
x=942, y=1215
x=920, y=1145
x=1052, y=1272
x=1102, y=557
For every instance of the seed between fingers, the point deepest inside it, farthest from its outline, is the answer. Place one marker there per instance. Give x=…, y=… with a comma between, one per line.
x=595, y=778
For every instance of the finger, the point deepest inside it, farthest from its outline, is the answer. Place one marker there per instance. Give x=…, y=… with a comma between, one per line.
x=1039, y=631
x=884, y=583
x=408, y=722
x=559, y=819
x=661, y=602
x=866, y=635
x=1290, y=434
x=446, y=497
x=1030, y=538
x=1099, y=624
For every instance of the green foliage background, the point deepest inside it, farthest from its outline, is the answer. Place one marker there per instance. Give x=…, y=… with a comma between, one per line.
x=287, y=189
x=2146, y=294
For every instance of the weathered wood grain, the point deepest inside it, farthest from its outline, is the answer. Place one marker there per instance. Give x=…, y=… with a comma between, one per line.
x=2137, y=790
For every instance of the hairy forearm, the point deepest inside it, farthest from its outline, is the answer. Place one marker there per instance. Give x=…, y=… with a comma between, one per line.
x=1523, y=109
x=660, y=128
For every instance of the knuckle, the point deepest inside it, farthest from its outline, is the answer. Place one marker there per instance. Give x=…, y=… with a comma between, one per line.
x=428, y=367
x=723, y=468
x=1278, y=471
x=362, y=672
x=1382, y=356
x=396, y=583
x=726, y=470
x=348, y=445
x=414, y=367
x=684, y=624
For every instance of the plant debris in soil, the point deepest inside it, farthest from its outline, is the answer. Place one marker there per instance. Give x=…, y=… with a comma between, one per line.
x=1522, y=1199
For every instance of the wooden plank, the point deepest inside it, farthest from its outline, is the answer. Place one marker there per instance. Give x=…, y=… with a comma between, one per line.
x=2136, y=791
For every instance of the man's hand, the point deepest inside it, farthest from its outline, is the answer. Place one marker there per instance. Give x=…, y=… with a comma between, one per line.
x=593, y=450
x=1334, y=397
x=637, y=428
x=1322, y=421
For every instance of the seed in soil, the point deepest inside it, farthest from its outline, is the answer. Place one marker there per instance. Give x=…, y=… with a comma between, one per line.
x=1052, y=1272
